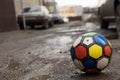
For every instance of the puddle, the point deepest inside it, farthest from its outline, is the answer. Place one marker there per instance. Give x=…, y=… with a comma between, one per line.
x=91, y=26
x=86, y=27
x=13, y=65
x=72, y=30
x=74, y=33
x=118, y=51
x=40, y=77
x=60, y=40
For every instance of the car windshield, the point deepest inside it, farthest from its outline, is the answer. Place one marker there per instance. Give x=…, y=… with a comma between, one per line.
x=56, y=15
x=25, y=10
x=35, y=9
x=31, y=9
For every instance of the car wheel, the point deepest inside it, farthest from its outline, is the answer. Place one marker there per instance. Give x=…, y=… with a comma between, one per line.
x=118, y=20
x=32, y=26
x=45, y=25
x=21, y=27
x=104, y=24
x=51, y=24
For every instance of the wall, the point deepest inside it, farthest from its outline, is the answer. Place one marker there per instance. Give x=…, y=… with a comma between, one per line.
x=7, y=16
x=70, y=11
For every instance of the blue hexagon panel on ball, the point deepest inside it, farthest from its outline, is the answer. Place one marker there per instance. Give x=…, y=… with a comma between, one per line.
x=91, y=52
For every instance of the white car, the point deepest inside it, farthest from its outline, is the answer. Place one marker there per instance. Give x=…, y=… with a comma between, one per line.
x=35, y=15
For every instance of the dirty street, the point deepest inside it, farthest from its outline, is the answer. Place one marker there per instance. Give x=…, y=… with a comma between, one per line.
x=59, y=40
x=44, y=54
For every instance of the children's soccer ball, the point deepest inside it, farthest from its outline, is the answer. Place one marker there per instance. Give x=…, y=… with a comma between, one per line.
x=91, y=52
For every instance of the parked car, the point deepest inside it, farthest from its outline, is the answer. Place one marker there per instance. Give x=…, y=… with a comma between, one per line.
x=109, y=12
x=57, y=18
x=35, y=15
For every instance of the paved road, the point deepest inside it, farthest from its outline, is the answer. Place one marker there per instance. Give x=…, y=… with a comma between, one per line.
x=44, y=54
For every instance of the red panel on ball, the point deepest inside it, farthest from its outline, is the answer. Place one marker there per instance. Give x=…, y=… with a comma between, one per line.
x=91, y=71
x=108, y=51
x=80, y=52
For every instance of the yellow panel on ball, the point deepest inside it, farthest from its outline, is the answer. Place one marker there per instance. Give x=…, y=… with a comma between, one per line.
x=95, y=51
x=109, y=43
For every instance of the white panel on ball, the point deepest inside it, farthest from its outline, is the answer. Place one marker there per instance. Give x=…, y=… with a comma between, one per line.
x=102, y=63
x=87, y=41
x=77, y=41
x=78, y=64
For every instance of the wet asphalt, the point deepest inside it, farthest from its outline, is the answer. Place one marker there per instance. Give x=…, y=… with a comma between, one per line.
x=44, y=54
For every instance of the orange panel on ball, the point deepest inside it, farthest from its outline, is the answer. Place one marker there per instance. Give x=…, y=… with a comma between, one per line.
x=80, y=52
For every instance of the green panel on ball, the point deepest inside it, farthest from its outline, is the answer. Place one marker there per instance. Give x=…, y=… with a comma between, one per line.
x=110, y=58
x=90, y=34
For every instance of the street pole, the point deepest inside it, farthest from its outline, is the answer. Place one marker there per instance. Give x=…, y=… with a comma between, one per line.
x=23, y=16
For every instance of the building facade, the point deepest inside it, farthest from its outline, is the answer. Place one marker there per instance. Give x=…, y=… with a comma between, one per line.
x=70, y=11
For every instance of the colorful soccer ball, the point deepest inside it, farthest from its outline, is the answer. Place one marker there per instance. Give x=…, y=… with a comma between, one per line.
x=91, y=52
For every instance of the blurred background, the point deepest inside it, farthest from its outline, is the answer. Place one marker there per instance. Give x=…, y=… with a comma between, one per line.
x=36, y=36
x=73, y=10
x=67, y=10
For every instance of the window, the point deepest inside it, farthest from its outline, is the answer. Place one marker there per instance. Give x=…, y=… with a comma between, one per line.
x=35, y=9
x=25, y=10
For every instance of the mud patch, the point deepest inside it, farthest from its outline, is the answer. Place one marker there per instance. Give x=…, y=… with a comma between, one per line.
x=13, y=65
